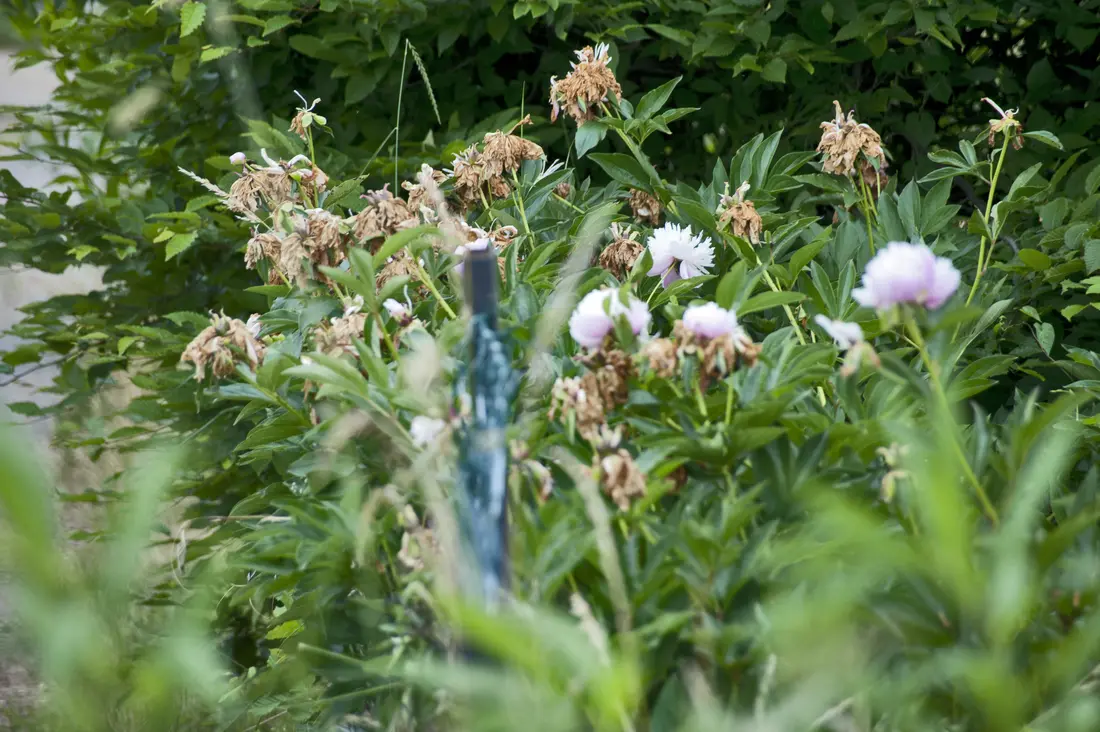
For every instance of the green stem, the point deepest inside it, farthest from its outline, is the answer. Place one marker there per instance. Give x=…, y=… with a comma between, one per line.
x=567, y=203
x=386, y=335
x=397, y=126
x=519, y=205
x=787, y=308
x=867, y=208
x=700, y=401
x=983, y=258
x=427, y=280
x=941, y=395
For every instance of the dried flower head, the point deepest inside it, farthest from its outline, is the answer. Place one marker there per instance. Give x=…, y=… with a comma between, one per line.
x=621, y=479
x=261, y=246
x=223, y=344
x=646, y=208
x=588, y=85
x=719, y=354
x=563, y=189
x=594, y=318
x=292, y=255
x=679, y=254
x=1006, y=123
x=425, y=191
x=662, y=356
x=400, y=264
x=504, y=152
x=609, y=374
x=843, y=139
x=906, y=273
x=467, y=173
x=619, y=256
x=384, y=216
x=578, y=398
x=338, y=336
x=739, y=214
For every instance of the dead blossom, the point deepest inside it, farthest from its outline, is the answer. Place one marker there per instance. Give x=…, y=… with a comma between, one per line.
x=384, y=216
x=425, y=191
x=739, y=215
x=646, y=208
x=504, y=152
x=717, y=356
x=400, y=264
x=261, y=246
x=621, y=478
x=619, y=256
x=269, y=185
x=467, y=173
x=589, y=84
x=580, y=398
x=223, y=344
x=610, y=371
x=843, y=139
x=661, y=355
x=1006, y=123
x=563, y=189
x=337, y=336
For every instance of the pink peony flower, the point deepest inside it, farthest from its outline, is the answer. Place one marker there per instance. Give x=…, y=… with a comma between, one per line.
x=846, y=335
x=710, y=321
x=904, y=272
x=595, y=316
x=678, y=254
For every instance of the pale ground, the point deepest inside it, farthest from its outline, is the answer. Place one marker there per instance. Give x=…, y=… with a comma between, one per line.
x=18, y=288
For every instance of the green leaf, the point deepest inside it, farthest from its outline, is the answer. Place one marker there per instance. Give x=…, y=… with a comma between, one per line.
x=191, y=16
x=673, y=34
x=1092, y=255
x=806, y=254
x=399, y=241
x=623, y=169
x=1045, y=335
x=179, y=243
x=276, y=23
x=1034, y=259
x=655, y=100
x=775, y=71
x=766, y=300
x=1047, y=138
x=588, y=136
x=212, y=54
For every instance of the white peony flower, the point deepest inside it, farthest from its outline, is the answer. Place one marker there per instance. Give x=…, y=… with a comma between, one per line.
x=845, y=334
x=424, y=430
x=679, y=254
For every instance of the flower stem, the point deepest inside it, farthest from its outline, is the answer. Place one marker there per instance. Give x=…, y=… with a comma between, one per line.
x=941, y=395
x=983, y=258
x=427, y=280
x=386, y=335
x=519, y=205
x=868, y=208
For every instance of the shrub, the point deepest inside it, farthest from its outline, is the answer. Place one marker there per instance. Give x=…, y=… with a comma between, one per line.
x=833, y=465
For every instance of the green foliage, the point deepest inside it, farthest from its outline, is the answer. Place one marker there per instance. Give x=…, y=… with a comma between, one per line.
x=895, y=535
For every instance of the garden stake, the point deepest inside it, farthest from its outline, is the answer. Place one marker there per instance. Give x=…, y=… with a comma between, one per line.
x=483, y=450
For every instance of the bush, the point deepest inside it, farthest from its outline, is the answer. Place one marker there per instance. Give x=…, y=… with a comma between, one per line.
x=853, y=508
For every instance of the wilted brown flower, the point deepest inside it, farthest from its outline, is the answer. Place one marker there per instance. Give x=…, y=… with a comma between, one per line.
x=504, y=152
x=468, y=173
x=291, y=254
x=609, y=374
x=588, y=85
x=223, y=344
x=1007, y=123
x=740, y=214
x=621, y=479
x=261, y=246
x=661, y=353
x=384, y=216
x=399, y=264
x=717, y=356
x=580, y=398
x=563, y=189
x=421, y=192
x=646, y=208
x=271, y=185
x=842, y=139
x=336, y=337
x=619, y=256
